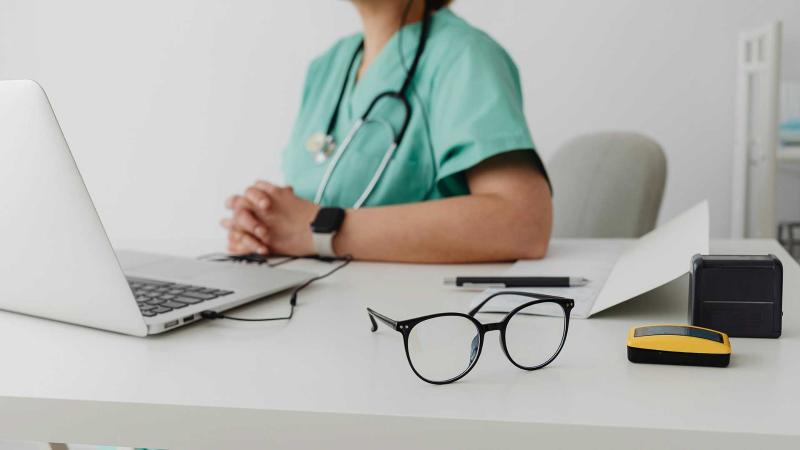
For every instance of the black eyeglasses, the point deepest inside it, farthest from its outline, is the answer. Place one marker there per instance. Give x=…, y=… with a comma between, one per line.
x=442, y=348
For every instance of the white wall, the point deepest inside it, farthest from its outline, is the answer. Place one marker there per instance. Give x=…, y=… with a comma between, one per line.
x=170, y=106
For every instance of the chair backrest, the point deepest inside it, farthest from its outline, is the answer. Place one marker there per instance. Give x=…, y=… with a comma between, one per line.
x=607, y=185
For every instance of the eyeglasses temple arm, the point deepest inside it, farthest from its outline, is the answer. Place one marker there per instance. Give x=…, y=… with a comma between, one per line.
x=524, y=294
x=376, y=315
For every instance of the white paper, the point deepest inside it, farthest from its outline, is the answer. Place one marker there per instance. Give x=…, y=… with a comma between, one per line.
x=618, y=270
x=657, y=258
x=592, y=259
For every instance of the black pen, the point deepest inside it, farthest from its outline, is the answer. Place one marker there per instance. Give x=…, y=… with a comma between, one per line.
x=509, y=282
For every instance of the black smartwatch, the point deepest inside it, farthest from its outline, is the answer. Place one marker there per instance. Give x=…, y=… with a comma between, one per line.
x=324, y=228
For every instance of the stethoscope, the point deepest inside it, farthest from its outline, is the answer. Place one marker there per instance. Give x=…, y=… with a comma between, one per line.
x=322, y=145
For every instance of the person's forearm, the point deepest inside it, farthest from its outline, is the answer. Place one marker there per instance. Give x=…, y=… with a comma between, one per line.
x=470, y=228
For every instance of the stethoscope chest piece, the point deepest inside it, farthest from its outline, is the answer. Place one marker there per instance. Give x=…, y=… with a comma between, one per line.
x=321, y=146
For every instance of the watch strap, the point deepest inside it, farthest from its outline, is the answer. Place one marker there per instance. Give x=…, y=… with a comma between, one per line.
x=323, y=244
x=323, y=229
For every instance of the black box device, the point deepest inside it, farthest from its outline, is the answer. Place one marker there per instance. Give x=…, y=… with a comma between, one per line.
x=739, y=295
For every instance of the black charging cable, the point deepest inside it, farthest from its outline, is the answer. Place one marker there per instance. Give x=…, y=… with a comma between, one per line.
x=343, y=261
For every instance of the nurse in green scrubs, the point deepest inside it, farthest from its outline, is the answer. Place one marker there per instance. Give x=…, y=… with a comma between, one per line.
x=465, y=183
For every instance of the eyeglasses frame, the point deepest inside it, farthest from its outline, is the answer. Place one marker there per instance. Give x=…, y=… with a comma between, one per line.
x=405, y=327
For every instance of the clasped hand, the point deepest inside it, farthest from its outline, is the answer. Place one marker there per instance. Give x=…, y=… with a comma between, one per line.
x=269, y=219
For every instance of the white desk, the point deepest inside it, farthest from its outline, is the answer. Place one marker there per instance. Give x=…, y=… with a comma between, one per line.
x=324, y=381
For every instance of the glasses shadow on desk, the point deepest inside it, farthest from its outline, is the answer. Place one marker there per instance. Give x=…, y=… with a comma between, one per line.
x=443, y=348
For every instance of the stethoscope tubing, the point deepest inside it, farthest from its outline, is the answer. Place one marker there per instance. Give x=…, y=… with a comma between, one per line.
x=387, y=156
x=323, y=184
x=396, y=138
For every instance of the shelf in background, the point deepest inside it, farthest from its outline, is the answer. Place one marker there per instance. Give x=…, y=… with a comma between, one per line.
x=788, y=157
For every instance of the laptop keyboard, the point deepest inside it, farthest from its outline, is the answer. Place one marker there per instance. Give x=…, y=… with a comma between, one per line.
x=158, y=297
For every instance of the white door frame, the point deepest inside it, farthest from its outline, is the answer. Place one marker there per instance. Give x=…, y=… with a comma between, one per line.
x=753, y=210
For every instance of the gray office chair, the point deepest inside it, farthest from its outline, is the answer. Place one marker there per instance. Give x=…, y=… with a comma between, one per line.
x=607, y=185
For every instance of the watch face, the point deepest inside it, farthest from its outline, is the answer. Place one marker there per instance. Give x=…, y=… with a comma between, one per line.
x=328, y=220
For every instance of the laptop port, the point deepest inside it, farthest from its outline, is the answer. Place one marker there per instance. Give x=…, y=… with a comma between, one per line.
x=170, y=324
x=188, y=318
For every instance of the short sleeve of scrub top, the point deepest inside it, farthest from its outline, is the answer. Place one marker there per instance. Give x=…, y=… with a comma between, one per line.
x=466, y=106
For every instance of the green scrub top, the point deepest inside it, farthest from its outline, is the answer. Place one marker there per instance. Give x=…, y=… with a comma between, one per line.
x=466, y=106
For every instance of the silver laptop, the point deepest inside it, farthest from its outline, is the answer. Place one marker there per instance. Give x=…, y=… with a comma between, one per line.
x=56, y=261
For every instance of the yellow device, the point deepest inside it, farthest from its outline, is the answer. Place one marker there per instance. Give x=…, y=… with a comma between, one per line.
x=678, y=344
